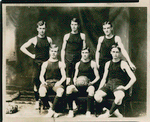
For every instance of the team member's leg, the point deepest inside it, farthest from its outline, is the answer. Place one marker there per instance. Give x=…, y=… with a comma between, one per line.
x=70, y=89
x=43, y=95
x=59, y=93
x=99, y=103
x=37, y=68
x=119, y=95
x=90, y=100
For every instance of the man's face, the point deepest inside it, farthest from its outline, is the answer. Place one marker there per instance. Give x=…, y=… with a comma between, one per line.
x=41, y=30
x=74, y=26
x=53, y=53
x=107, y=29
x=85, y=54
x=115, y=53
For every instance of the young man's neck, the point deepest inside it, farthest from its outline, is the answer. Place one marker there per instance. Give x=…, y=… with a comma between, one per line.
x=116, y=59
x=85, y=60
x=53, y=59
x=74, y=32
x=109, y=36
x=41, y=36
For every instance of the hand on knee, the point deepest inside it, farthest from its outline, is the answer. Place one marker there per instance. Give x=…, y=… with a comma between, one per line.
x=91, y=90
x=60, y=92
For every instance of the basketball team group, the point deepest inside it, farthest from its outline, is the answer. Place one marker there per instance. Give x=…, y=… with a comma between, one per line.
x=76, y=73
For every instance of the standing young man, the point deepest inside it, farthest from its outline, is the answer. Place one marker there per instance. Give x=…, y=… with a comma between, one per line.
x=41, y=44
x=85, y=67
x=52, y=76
x=116, y=70
x=104, y=46
x=73, y=43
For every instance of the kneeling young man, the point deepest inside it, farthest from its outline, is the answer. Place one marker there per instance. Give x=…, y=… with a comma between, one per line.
x=115, y=71
x=87, y=69
x=52, y=76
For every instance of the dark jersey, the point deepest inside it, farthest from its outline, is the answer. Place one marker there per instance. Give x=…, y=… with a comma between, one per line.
x=53, y=71
x=115, y=71
x=42, y=49
x=106, y=48
x=85, y=69
x=74, y=44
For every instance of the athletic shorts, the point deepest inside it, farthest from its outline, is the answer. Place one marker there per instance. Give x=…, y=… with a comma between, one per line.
x=51, y=85
x=112, y=85
x=71, y=60
x=82, y=90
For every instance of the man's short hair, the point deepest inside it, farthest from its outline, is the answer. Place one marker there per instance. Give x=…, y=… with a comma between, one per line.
x=86, y=48
x=107, y=22
x=116, y=46
x=41, y=22
x=75, y=20
x=53, y=46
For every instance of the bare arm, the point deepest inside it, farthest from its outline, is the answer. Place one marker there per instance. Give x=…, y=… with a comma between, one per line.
x=97, y=55
x=125, y=66
x=124, y=52
x=76, y=72
x=83, y=38
x=63, y=73
x=43, y=70
x=94, y=67
x=24, y=47
x=103, y=81
x=49, y=40
x=63, y=48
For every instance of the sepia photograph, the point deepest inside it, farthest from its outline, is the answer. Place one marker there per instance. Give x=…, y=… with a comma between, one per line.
x=75, y=62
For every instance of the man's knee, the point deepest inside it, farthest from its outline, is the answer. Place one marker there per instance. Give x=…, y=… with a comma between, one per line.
x=60, y=92
x=119, y=95
x=98, y=96
x=69, y=89
x=91, y=90
x=42, y=91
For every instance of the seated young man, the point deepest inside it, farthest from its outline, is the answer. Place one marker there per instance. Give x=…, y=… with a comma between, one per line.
x=85, y=68
x=52, y=76
x=115, y=70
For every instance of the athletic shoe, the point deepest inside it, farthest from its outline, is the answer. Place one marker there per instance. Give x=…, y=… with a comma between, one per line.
x=71, y=114
x=36, y=105
x=118, y=114
x=50, y=113
x=88, y=114
x=56, y=115
x=105, y=115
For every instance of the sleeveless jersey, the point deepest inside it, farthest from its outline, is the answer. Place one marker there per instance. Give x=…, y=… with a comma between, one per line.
x=74, y=44
x=115, y=71
x=42, y=49
x=106, y=48
x=86, y=70
x=53, y=71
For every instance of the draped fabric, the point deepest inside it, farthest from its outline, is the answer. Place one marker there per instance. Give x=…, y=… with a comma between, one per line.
x=24, y=19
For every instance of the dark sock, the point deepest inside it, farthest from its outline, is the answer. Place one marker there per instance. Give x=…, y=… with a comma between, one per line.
x=113, y=108
x=90, y=102
x=69, y=101
x=55, y=102
x=99, y=106
x=45, y=102
x=36, y=94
